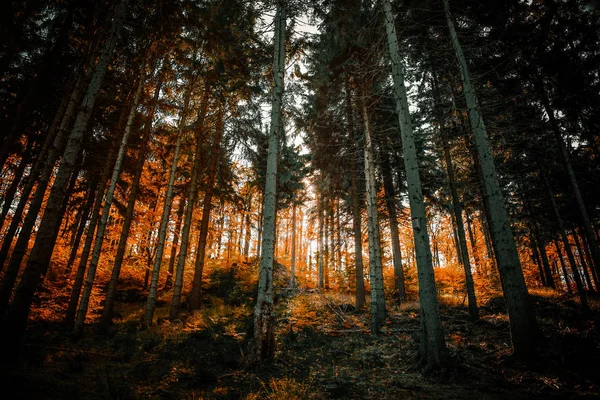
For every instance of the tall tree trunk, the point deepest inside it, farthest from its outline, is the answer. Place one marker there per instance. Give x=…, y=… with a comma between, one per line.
x=162, y=231
x=584, y=266
x=563, y=266
x=9, y=195
x=248, y=234
x=71, y=313
x=356, y=217
x=567, y=246
x=85, y=216
x=175, y=244
x=107, y=311
x=390, y=202
x=41, y=253
x=293, y=268
x=457, y=208
x=432, y=344
x=108, y=199
x=50, y=152
x=588, y=254
x=196, y=297
x=264, y=334
x=523, y=326
x=375, y=265
x=321, y=266
x=564, y=155
x=473, y=243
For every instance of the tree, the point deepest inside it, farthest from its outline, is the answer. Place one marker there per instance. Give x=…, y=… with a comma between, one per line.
x=264, y=335
x=39, y=259
x=432, y=346
x=523, y=326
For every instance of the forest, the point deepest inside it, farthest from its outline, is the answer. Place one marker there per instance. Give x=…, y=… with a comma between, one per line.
x=284, y=199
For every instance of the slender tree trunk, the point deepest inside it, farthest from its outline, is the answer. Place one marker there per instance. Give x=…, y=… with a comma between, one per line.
x=563, y=266
x=162, y=232
x=390, y=201
x=175, y=244
x=321, y=268
x=457, y=208
x=584, y=265
x=567, y=246
x=375, y=265
x=523, y=326
x=51, y=150
x=71, y=313
x=293, y=271
x=9, y=195
x=264, y=334
x=196, y=297
x=594, y=269
x=432, y=344
x=535, y=256
x=108, y=199
x=248, y=236
x=106, y=318
x=473, y=242
x=41, y=253
x=564, y=154
x=356, y=217
x=85, y=216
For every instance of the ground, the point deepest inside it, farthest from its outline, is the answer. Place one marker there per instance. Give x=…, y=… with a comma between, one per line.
x=324, y=351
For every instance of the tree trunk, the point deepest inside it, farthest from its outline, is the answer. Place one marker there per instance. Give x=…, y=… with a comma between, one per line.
x=356, y=217
x=162, y=232
x=375, y=265
x=390, y=201
x=432, y=344
x=196, y=297
x=108, y=199
x=264, y=334
x=567, y=246
x=175, y=244
x=562, y=266
x=564, y=155
x=523, y=326
x=584, y=266
x=71, y=313
x=293, y=268
x=321, y=268
x=9, y=195
x=51, y=150
x=85, y=216
x=42, y=250
x=457, y=208
x=248, y=236
x=106, y=318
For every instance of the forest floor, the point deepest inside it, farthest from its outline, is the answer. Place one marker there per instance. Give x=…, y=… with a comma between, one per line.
x=324, y=351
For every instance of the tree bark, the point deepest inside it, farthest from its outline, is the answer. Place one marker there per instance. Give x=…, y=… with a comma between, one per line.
x=432, y=344
x=356, y=215
x=563, y=233
x=564, y=155
x=390, y=202
x=293, y=268
x=378, y=312
x=196, y=297
x=523, y=326
x=108, y=199
x=71, y=313
x=264, y=334
x=162, y=232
